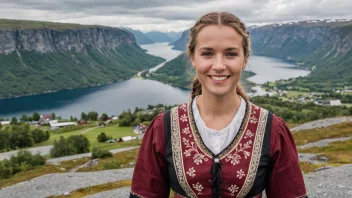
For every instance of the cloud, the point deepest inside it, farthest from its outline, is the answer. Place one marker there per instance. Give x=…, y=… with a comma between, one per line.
x=174, y=15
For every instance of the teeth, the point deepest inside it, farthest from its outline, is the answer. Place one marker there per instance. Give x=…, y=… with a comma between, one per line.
x=218, y=78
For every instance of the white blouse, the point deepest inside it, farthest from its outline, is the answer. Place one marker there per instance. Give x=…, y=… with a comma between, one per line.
x=215, y=140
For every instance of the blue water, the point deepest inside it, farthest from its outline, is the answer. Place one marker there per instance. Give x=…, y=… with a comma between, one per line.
x=115, y=98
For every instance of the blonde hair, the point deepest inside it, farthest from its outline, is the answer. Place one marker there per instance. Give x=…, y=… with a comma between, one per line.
x=218, y=18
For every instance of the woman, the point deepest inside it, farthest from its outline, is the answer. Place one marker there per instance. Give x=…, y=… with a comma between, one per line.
x=219, y=144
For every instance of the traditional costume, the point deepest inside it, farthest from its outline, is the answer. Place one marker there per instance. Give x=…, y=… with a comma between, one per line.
x=261, y=156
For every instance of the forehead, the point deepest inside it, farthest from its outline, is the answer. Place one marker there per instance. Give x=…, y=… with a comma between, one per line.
x=218, y=36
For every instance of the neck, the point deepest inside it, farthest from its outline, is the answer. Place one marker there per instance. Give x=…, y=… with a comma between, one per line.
x=216, y=107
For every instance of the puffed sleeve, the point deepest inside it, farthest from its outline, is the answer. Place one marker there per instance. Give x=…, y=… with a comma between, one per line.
x=286, y=179
x=150, y=177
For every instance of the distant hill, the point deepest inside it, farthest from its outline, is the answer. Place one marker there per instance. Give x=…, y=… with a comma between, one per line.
x=141, y=38
x=323, y=46
x=174, y=35
x=159, y=37
x=39, y=57
x=181, y=43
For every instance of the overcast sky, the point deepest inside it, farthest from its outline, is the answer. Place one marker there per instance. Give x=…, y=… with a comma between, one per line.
x=171, y=15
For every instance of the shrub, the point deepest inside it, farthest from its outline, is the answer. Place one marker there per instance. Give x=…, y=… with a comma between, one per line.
x=5, y=172
x=40, y=135
x=62, y=148
x=80, y=143
x=24, y=160
x=102, y=137
x=100, y=153
x=112, y=164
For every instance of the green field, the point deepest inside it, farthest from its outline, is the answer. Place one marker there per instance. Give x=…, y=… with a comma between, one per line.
x=114, y=131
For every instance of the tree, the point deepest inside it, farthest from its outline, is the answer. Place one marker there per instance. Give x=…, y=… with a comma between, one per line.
x=62, y=148
x=13, y=120
x=102, y=137
x=36, y=116
x=21, y=136
x=53, y=116
x=24, y=118
x=83, y=116
x=40, y=136
x=80, y=143
x=93, y=116
x=104, y=117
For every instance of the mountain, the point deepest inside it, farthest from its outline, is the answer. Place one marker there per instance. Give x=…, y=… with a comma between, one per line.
x=141, y=38
x=181, y=43
x=323, y=46
x=174, y=35
x=38, y=57
x=158, y=37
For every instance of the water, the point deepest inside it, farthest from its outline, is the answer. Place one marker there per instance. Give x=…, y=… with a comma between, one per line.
x=162, y=50
x=272, y=69
x=115, y=98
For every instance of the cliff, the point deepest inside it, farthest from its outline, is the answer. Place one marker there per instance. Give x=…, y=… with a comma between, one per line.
x=38, y=57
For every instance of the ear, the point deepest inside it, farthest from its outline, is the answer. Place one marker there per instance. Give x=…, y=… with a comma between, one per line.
x=245, y=63
x=193, y=62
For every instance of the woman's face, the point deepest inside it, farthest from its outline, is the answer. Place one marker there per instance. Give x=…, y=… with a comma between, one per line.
x=218, y=59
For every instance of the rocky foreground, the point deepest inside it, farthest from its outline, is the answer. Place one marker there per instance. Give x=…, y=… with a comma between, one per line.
x=333, y=183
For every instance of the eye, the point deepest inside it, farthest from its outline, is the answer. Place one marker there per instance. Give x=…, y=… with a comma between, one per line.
x=231, y=54
x=207, y=54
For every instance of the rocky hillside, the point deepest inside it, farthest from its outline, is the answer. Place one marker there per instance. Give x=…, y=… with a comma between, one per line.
x=37, y=57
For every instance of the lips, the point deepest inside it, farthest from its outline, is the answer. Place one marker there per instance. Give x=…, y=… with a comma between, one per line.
x=219, y=78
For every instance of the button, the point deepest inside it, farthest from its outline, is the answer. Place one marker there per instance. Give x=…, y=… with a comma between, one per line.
x=216, y=160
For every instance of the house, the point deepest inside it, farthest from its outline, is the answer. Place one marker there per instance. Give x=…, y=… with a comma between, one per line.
x=127, y=138
x=82, y=122
x=139, y=129
x=328, y=102
x=58, y=125
x=3, y=123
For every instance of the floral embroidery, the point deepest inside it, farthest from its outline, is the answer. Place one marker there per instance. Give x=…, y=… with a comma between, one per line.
x=183, y=107
x=249, y=134
x=191, y=172
x=240, y=174
x=198, y=158
x=186, y=130
x=233, y=189
x=184, y=118
x=235, y=158
x=253, y=119
x=198, y=187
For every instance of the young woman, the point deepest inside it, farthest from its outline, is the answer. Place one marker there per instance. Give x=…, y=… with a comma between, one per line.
x=219, y=144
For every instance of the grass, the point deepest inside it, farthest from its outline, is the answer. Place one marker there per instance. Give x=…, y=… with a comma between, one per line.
x=114, y=131
x=96, y=189
x=119, y=160
x=337, y=152
x=41, y=170
x=313, y=135
x=308, y=167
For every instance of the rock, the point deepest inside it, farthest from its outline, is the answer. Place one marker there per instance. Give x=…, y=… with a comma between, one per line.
x=63, y=169
x=66, y=193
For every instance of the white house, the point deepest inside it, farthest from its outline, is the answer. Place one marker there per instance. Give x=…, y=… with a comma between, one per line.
x=5, y=123
x=127, y=138
x=61, y=124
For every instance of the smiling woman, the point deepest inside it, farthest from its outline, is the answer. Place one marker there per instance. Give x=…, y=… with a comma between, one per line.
x=219, y=144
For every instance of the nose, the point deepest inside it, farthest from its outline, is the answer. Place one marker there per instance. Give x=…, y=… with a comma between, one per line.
x=218, y=63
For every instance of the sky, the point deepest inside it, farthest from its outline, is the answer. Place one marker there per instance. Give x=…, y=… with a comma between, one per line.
x=171, y=15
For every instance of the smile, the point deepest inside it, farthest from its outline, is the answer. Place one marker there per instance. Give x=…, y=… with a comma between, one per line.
x=219, y=78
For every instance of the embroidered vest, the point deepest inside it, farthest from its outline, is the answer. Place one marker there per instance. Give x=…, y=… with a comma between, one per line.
x=193, y=161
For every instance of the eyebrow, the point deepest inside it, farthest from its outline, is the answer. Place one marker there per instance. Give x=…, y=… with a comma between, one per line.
x=227, y=49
